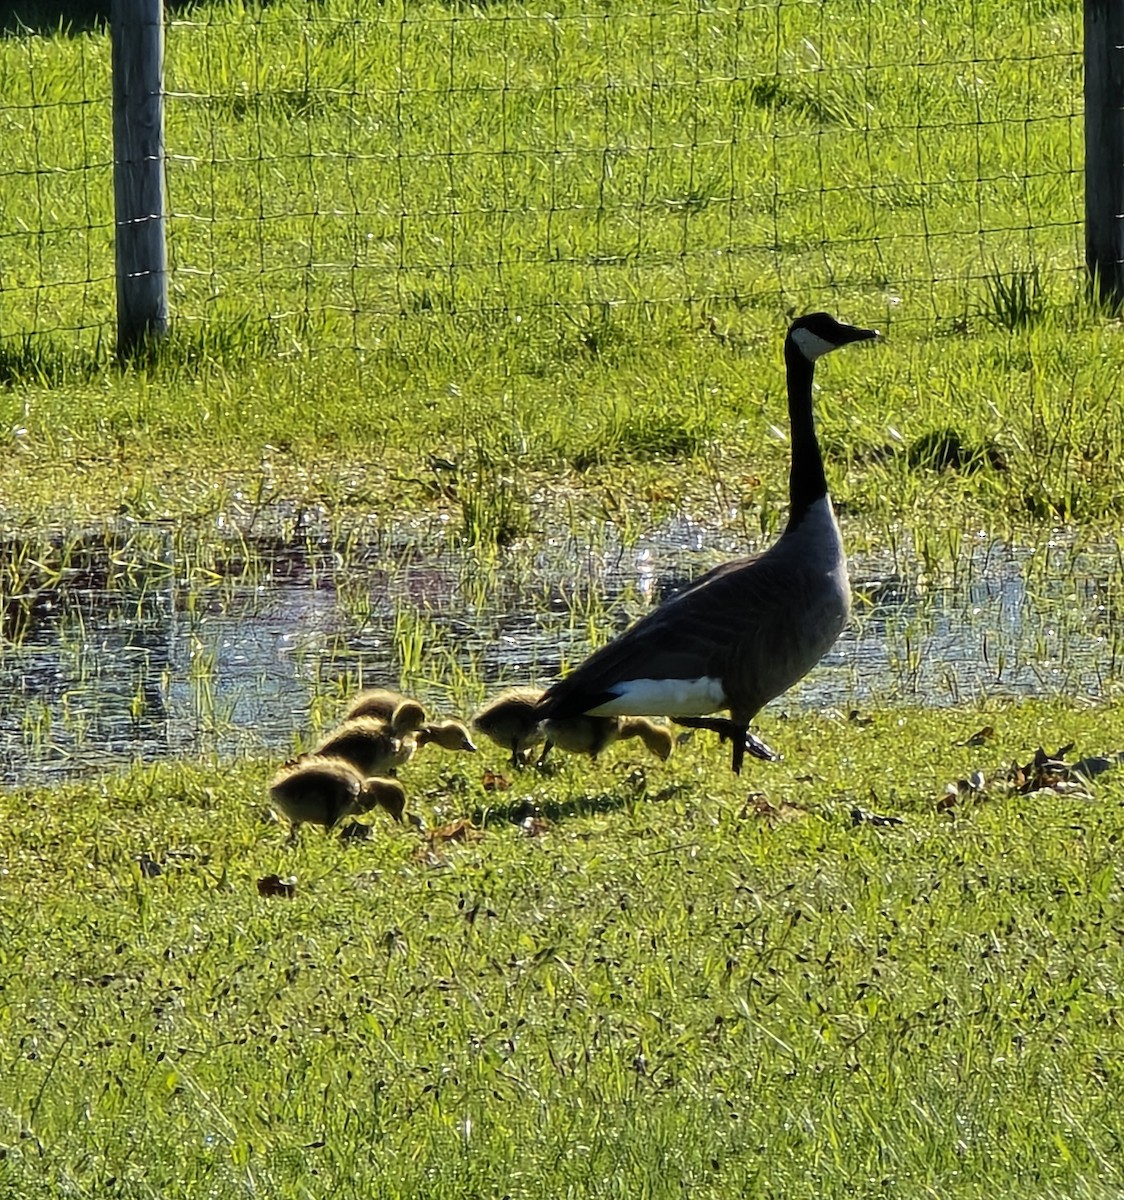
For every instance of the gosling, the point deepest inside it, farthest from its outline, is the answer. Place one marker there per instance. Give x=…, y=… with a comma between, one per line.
x=402, y=714
x=322, y=791
x=449, y=735
x=511, y=721
x=590, y=735
x=367, y=743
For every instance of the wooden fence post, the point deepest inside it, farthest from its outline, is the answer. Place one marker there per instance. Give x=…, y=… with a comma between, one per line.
x=137, y=29
x=1104, y=148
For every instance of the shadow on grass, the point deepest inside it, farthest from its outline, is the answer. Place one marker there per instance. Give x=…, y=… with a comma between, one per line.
x=517, y=811
x=42, y=361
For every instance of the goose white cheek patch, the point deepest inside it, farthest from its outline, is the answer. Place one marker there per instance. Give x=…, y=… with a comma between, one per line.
x=811, y=345
x=664, y=698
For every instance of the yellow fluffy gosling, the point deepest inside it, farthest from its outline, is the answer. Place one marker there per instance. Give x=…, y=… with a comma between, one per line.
x=511, y=722
x=400, y=712
x=591, y=735
x=322, y=791
x=366, y=743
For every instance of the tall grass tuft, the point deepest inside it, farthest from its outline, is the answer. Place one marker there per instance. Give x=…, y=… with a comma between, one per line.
x=1015, y=300
x=495, y=509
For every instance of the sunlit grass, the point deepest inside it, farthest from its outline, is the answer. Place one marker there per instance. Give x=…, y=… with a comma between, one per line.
x=663, y=990
x=595, y=283
x=504, y=369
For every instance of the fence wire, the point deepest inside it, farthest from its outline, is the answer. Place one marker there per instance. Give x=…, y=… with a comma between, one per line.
x=339, y=165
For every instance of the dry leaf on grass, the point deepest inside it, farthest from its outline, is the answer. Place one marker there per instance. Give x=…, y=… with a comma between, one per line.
x=759, y=805
x=535, y=826
x=461, y=830
x=1043, y=773
x=980, y=737
x=860, y=816
x=492, y=782
x=964, y=791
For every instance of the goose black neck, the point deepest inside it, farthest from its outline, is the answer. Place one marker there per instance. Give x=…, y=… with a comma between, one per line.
x=806, y=481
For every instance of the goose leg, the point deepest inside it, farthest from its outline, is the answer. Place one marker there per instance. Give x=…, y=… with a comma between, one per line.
x=545, y=751
x=739, y=740
x=723, y=726
x=735, y=732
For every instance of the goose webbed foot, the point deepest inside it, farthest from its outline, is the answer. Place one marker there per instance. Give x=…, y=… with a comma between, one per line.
x=727, y=730
x=760, y=749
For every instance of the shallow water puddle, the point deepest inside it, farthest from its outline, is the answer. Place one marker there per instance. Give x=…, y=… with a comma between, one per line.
x=92, y=677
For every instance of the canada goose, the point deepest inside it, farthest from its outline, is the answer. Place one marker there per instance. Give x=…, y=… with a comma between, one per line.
x=591, y=735
x=365, y=742
x=400, y=712
x=449, y=735
x=322, y=791
x=511, y=720
x=746, y=631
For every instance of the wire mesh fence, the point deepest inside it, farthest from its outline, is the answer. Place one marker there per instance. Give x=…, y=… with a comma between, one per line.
x=336, y=166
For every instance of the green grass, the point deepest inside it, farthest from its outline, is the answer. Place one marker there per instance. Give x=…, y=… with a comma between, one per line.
x=663, y=992
x=566, y=244
x=572, y=322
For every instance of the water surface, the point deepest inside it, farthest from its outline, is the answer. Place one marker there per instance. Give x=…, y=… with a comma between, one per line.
x=103, y=669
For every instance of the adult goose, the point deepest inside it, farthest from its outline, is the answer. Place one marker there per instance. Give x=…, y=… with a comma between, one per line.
x=746, y=631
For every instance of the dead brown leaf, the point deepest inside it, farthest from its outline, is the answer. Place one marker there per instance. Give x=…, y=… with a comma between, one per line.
x=1044, y=772
x=461, y=830
x=493, y=782
x=860, y=816
x=535, y=826
x=972, y=790
x=759, y=805
x=427, y=856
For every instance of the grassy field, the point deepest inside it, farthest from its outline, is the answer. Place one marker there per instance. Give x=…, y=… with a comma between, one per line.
x=483, y=278
x=659, y=988
x=566, y=245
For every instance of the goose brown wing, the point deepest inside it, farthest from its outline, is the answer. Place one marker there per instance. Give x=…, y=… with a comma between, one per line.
x=702, y=631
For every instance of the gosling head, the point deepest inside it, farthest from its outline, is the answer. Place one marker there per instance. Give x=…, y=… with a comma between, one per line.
x=387, y=794
x=403, y=714
x=818, y=333
x=449, y=735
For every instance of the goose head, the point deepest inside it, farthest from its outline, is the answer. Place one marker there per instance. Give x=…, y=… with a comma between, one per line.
x=817, y=334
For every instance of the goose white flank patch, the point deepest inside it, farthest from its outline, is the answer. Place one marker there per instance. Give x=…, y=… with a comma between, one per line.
x=748, y=630
x=664, y=698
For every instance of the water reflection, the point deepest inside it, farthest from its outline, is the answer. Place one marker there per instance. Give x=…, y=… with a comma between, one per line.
x=101, y=670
